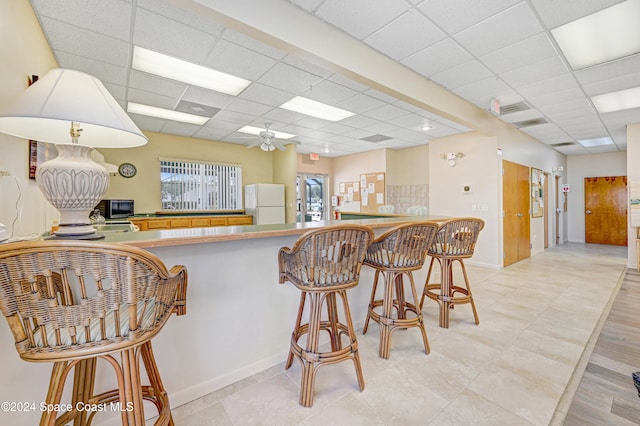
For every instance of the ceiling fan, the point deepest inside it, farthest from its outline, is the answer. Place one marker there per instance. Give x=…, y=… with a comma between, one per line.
x=267, y=141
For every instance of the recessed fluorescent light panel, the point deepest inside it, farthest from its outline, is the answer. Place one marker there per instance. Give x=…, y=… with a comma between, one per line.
x=186, y=72
x=590, y=143
x=316, y=109
x=256, y=131
x=617, y=101
x=167, y=114
x=606, y=35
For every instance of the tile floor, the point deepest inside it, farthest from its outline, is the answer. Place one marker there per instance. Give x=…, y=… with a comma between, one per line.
x=536, y=317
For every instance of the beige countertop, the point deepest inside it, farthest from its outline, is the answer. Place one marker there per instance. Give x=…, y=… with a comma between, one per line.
x=175, y=237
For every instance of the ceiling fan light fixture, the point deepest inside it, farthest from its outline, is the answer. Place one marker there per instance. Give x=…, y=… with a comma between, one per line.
x=267, y=147
x=257, y=130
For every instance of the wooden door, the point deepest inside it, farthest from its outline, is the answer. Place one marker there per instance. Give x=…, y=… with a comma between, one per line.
x=516, y=221
x=605, y=210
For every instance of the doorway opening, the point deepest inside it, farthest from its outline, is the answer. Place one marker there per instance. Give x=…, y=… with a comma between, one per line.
x=311, y=194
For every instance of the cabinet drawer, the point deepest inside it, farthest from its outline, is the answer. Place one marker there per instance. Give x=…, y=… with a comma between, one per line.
x=200, y=222
x=180, y=223
x=218, y=221
x=246, y=220
x=158, y=224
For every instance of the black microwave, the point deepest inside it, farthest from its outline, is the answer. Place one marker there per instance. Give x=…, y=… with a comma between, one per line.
x=115, y=209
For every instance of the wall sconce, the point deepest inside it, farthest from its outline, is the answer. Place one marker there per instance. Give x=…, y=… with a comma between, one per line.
x=557, y=169
x=451, y=157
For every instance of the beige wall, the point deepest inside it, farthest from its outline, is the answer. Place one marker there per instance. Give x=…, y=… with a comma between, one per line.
x=144, y=188
x=24, y=51
x=323, y=166
x=409, y=166
x=284, y=171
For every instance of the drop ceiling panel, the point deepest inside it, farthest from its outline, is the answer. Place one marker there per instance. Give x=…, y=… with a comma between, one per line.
x=154, y=99
x=386, y=112
x=248, y=107
x=235, y=117
x=360, y=17
x=572, y=150
x=181, y=129
x=439, y=57
x=156, y=32
x=462, y=74
x=80, y=42
x=534, y=73
x=360, y=103
x=405, y=35
x=107, y=73
x=288, y=78
x=212, y=133
x=150, y=124
x=347, y=82
x=153, y=84
x=625, y=67
x=108, y=17
x=328, y=92
x=561, y=88
x=238, y=60
x=283, y=115
x=337, y=129
x=577, y=107
x=550, y=101
x=456, y=15
x=309, y=5
x=410, y=120
x=507, y=27
x=265, y=94
x=175, y=13
x=207, y=97
x=517, y=55
x=485, y=89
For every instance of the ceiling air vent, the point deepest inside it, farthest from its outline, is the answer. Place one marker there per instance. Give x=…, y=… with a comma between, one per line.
x=197, y=109
x=517, y=107
x=527, y=123
x=556, y=145
x=376, y=138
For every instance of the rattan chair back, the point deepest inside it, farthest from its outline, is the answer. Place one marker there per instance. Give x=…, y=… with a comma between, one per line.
x=66, y=299
x=457, y=238
x=328, y=257
x=403, y=247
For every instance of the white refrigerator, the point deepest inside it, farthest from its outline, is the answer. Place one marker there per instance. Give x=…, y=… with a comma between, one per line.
x=265, y=202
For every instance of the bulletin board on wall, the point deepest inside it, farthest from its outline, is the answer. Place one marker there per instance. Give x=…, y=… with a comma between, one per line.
x=537, y=192
x=349, y=192
x=372, y=192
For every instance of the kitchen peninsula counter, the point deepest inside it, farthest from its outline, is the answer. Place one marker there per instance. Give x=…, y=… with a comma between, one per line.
x=176, y=237
x=238, y=321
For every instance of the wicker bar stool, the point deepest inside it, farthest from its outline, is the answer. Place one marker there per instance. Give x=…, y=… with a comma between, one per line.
x=323, y=264
x=74, y=302
x=398, y=252
x=455, y=241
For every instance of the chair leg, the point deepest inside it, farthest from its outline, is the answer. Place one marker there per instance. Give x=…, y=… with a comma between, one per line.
x=156, y=392
x=385, y=322
x=308, y=357
x=83, y=383
x=371, y=300
x=332, y=315
x=56, y=384
x=414, y=292
x=466, y=282
x=296, y=329
x=426, y=282
x=352, y=339
x=132, y=389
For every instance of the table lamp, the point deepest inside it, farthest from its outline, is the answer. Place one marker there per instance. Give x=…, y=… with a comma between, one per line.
x=58, y=108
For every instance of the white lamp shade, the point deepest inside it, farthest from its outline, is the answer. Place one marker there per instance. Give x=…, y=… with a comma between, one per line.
x=46, y=109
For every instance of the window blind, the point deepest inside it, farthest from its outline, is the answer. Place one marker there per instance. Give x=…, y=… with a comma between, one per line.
x=200, y=186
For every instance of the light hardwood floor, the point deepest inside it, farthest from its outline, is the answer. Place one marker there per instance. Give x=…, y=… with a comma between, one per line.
x=518, y=367
x=606, y=394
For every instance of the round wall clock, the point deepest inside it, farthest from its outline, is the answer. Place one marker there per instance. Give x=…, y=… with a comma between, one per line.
x=127, y=170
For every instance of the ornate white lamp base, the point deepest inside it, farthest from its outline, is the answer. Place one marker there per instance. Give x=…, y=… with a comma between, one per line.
x=74, y=184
